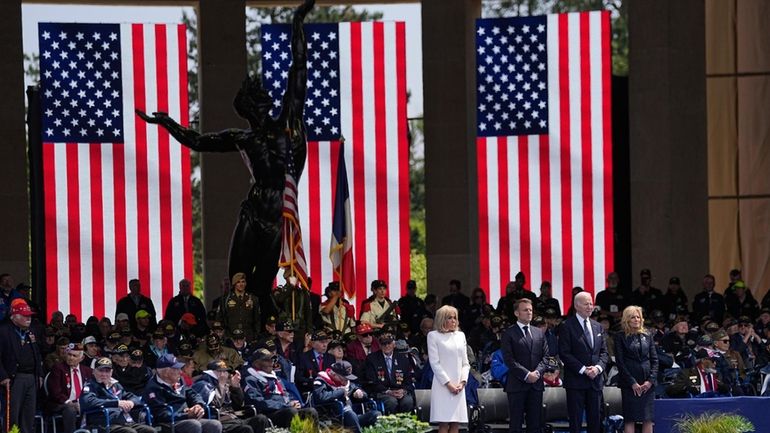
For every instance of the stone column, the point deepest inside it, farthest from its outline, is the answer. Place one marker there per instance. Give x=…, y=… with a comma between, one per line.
x=668, y=146
x=450, y=99
x=225, y=179
x=14, y=247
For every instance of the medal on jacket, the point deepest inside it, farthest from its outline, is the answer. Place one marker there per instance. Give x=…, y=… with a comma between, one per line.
x=381, y=375
x=399, y=377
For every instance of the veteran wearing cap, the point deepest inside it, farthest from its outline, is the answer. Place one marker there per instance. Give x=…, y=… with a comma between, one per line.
x=132, y=378
x=156, y=348
x=313, y=361
x=91, y=351
x=337, y=383
x=144, y=324
x=221, y=387
x=390, y=377
x=240, y=309
x=21, y=367
x=358, y=349
x=102, y=391
x=239, y=344
x=285, y=344
x=65, y=383
x=167, y=391
x=213, y=350
x=272, y=395
x=703, y=378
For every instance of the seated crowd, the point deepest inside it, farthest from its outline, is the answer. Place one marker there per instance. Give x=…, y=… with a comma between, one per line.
x=231, y=369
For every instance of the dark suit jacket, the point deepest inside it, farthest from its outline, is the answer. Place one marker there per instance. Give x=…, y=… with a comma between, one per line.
x=637, y=359
x=377, y=378
x=60, y=382
x=307, y=369
x=521, y=357
x=575, y=353
x=10, y=351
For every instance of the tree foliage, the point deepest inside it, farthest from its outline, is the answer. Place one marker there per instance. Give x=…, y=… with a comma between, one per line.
x=617, y=8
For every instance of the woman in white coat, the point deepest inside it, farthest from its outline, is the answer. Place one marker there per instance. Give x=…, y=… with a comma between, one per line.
x=448, y=356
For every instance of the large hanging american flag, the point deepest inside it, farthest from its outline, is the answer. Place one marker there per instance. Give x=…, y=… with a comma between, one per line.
x=544, y=151
x=356, y=89
x=116, y=191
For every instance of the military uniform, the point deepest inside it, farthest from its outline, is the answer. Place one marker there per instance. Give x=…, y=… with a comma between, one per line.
x=294, y=304
x=241, y=311
x=213, y=351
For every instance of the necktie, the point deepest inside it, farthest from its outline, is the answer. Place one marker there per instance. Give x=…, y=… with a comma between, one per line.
x=320, y=362
x=587, y=332
x=527, y=335
x=76, y=382
x=709, y=383
x=389, y=364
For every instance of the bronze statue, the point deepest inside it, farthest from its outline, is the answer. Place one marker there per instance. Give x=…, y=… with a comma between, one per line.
x=265, y=146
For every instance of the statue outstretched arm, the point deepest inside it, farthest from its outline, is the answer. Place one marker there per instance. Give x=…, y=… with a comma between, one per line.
x=224, y=141
x=294, y=98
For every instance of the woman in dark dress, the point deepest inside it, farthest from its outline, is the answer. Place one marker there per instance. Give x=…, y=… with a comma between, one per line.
x=637, y=363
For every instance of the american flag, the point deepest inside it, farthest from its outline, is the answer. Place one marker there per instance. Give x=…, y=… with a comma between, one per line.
x=356, y=89
x=116, y=191
x=292, y=253
x=544, y=151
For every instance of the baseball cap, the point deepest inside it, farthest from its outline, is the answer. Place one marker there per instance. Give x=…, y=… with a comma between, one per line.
x=77, y=347
x=121, y=349
x=141, y=314
x=217, y=325
x=320, y=336
x=103, y=364
x=114, y=336
x=158, y=334
x=674, y=280
x=271, y=320
x=739, y=284
x=212, y=341
x=343, y=368
x=238, y=334
x=363, y=328
x=334, y=344
x=168, y=361
x=386, y=338
x=189, y=319
x=21, y=307
x=121, y=316
x=284, y=326
x=89, y=340
x=218, y=365
x=137, y=355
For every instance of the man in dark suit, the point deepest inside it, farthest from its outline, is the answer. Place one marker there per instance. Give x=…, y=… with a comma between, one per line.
x=389, y=377
x=313, y=361
x=65, y=384
x=186, y=302
x=583, y=350
x=524, y=350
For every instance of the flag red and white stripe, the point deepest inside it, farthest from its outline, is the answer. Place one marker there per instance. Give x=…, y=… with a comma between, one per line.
x=545, y=201
x=115, y=211
x=292, y=253
x=372, y=76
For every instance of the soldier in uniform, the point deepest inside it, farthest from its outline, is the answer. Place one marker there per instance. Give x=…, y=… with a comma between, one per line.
x=378, y=310
x=294, y=304
x=336, y=312
x=102, y=391
x=240, y=309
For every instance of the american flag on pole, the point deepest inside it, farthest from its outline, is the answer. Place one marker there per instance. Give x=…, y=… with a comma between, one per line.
x=544, y=151
x=116, y=191
x=356, y=89
x=292, y=253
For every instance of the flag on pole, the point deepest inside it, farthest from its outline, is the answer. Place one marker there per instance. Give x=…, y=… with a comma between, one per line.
x=544, y=151
x=356, y=89
x=341, y=247
x=116, y=191
x=292, y=257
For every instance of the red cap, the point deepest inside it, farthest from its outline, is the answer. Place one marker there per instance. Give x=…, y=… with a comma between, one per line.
x=189, y=319
x=21, y=308
x=363, y=328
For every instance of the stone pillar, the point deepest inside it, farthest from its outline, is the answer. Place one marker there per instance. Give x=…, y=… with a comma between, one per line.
x=668, y=146
x=225, y=180
x=14, y=247
x=450, y=171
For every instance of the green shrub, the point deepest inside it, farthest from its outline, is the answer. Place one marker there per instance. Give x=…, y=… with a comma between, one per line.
x=713, y=422
x=400, y=423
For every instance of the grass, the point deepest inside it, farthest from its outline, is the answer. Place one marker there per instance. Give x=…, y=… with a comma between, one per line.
x=713, y=422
